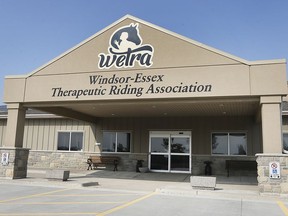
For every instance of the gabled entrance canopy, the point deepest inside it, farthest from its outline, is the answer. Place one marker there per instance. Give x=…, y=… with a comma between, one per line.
x=176, y=76
x=136, y=69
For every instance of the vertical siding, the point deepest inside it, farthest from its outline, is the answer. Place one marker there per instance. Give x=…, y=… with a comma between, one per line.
x=40, y=140
x=89, y=137
x=201, y=128
x=41, y=134
x=46, y=134
x=57, y=128
x=27, y=134
x=34, y=131
x=3, y=123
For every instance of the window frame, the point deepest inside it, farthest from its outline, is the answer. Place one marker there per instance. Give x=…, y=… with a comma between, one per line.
x=70, y=139
x=228, y=144
x=116, y=141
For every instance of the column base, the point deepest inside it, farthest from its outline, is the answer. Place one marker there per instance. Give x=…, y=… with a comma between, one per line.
x=266, y=183
x=14, y=162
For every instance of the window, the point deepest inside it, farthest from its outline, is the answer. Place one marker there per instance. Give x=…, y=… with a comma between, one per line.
x=229, y=143
x=70, y=141
x=116, y=142
x=285, y=142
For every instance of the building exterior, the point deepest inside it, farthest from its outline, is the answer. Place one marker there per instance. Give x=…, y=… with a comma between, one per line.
x=141, y=92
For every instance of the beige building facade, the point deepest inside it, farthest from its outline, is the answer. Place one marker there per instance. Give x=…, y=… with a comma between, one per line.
x=141, y=92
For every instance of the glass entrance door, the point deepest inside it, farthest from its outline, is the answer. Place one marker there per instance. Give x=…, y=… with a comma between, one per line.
x=180, y=153
x=170, y=151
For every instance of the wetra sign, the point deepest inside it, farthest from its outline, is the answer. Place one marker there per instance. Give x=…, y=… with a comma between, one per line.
x=126, y=49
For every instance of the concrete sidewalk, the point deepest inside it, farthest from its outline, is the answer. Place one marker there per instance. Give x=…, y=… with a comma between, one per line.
x=163, y=183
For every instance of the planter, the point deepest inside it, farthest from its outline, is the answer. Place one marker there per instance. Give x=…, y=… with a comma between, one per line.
x=143, y=169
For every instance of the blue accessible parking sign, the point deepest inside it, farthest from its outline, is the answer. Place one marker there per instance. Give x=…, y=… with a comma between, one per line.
x=274, y=170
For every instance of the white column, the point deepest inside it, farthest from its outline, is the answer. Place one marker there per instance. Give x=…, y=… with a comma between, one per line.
x=271, y=124
x=15, y=126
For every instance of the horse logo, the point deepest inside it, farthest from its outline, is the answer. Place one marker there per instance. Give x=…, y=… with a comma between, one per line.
x=125, y=38
x=126, y=48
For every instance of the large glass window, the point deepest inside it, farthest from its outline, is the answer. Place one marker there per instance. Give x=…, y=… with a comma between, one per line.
x=180, y=144
x=220, y=143
x=70, y=141
x=109, y=142
x=159, y=144
x=229, y=143
x=116, y=142
x=285, y=142
x=238, y=144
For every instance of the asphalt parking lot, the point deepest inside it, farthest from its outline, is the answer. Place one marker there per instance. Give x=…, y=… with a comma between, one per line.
x=39, y=200
x=103, y=193
x=30, y=200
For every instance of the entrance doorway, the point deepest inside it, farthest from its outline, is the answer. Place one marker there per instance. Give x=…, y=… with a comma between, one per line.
x=170, y=151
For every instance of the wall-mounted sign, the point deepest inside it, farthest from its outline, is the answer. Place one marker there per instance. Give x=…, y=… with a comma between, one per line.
x=125, y=49
x=135, y=84
x=5, y=159
x=274, y=170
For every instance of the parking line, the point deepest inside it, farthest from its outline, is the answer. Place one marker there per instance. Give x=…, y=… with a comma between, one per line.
x=283, y=207
x=126, y=204
x=33, y=195
x=48, y=214
x=89, y=195
x=60, y=203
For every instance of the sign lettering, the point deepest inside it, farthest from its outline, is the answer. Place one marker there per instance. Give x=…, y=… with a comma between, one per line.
x=116, y=85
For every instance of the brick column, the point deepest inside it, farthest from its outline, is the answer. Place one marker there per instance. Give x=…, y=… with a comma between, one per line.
x=272, y=148
x=272, y=185
x=16, y=165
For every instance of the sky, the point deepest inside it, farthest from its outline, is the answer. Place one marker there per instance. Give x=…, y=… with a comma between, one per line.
x=33, y=32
